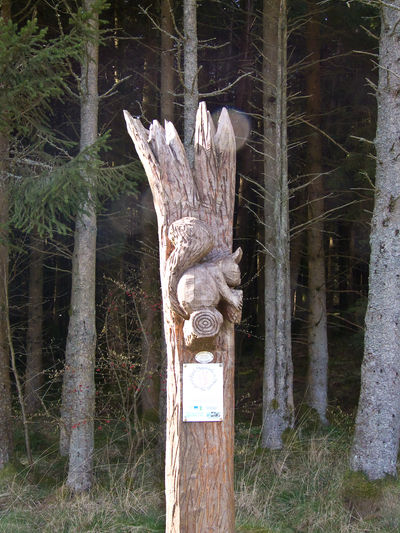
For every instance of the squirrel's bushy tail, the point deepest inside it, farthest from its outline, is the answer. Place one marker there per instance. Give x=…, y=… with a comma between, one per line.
x=192, y=241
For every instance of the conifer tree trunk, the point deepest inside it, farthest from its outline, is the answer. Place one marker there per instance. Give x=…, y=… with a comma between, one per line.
x=190, y=78
x=296, y=250
x=376, y=438
x=243, y=97
x=5, y=391
x=167, y=61
x=167, y=113
x=278, y=368
x=150, y=73
x=317, y=378
x=78, y=387
x=195, y=214
x=34, y=363
x=149, y=278
x=150, y=312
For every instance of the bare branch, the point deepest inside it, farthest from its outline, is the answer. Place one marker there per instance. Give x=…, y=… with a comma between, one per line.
x=369, y=32
x=226, y=88
x=111, y=91
x=301, y=227
x=324, y=134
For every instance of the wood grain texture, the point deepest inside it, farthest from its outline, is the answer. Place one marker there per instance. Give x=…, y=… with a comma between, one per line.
x=192, y=240
x=199, y=456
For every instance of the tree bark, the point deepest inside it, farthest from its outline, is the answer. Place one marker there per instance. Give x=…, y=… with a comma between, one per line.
x=278, y=367
x=246, y=222
x=5, y=388
x=150, y=72
x=5, y=391
x=376, y=436
x=296, y=251
x=150, y=278
x=199, y=455
x=190, y=74
x=150, y=312
x=317, y=378
x=167, y=113
x=78, y=387
x=34, y=363
x=167, y=61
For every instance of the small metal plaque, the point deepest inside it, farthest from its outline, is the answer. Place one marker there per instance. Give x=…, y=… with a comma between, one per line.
x=204, y=357
x=203, y=392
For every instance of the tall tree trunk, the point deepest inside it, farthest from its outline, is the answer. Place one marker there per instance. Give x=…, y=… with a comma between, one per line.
x=167, y=113
x=78, y=386
x=34, y=363
x=167, y=61
x=278, y=367
x=317, y=378
x=194, y=209
x=150, y=73
x=376, y=436
x=246, y=224
x=190, y=72
x=150, y=276
x=5, y=391
x=150, y=312
x=296, y=250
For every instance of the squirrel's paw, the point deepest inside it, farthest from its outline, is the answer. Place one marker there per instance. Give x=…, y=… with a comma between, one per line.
x=233, y=311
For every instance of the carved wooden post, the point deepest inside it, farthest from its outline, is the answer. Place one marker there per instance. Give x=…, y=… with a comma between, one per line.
x=198, y=272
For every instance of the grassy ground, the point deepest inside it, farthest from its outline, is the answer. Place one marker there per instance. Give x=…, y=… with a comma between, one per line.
x=306, y=487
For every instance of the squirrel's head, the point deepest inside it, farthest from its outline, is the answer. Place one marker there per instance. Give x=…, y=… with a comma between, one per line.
x=230, y=267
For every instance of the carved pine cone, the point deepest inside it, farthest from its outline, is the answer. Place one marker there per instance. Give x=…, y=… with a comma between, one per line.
x=202, y=324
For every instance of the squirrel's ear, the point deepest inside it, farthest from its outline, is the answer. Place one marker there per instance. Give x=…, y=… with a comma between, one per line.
x=237, y=256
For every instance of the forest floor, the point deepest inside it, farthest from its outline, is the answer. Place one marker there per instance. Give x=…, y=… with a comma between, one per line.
x=305, y=487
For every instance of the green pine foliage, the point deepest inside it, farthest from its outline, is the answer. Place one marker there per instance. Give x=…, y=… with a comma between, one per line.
x=49, y=201
x=48, y=184
x=33, y=72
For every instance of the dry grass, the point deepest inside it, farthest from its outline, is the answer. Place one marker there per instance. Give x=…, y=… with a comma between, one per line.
x=306, y=487
x=126, y=496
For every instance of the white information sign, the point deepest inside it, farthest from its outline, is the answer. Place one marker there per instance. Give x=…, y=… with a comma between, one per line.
x=203, y=392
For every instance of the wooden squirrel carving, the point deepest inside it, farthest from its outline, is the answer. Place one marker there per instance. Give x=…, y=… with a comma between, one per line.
x=201, y=292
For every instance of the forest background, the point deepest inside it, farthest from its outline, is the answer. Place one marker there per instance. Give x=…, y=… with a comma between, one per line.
x=303, y=485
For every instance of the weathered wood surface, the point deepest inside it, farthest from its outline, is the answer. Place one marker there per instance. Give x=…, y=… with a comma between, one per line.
x=199, y=455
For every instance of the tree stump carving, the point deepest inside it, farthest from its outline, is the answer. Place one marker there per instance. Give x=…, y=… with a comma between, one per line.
x=194, y=204
x=196, y=288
